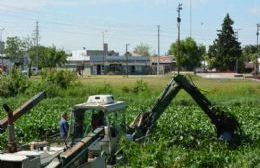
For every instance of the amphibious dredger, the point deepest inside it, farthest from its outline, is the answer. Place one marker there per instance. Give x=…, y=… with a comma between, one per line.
x=97, y=126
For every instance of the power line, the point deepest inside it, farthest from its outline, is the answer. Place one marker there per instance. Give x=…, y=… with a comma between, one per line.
x=190, y=19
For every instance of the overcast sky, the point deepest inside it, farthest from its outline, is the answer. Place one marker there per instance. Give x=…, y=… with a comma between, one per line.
x=75, y=24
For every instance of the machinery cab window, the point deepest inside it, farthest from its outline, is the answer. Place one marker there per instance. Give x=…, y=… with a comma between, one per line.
x=98, y=111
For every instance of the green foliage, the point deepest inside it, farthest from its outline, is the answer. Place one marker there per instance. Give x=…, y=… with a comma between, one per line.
x=140, y=86
x=61, y=78
x=51, y=57
x=13, y=83
x=183, y=137
x=15, y=49
x=54, y=82
x=142, y=49
x=250, y=52
x=226, y=50
x=190, y=53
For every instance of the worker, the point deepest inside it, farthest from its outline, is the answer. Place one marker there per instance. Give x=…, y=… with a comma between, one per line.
x=64, y=126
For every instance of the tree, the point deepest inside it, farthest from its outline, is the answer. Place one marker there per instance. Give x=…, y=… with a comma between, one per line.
x=249, y=52
x=51, y=57
x=190, y=53
x=142, y=49
x=15, y=49
x=226, y=51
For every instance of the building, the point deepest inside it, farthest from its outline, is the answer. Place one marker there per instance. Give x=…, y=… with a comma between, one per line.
x=120, y=65
x=5, y=63
x=166, y=64
x=94, y=62
x=79, y=62
x=105, y=52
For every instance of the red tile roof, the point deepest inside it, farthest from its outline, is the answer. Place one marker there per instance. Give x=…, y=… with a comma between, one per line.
x=162, y=59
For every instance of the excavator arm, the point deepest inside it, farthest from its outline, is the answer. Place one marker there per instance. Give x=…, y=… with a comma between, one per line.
x=225, y=124
x=145, y=122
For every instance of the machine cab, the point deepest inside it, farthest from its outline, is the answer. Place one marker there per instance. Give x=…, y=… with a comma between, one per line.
x=99, y=111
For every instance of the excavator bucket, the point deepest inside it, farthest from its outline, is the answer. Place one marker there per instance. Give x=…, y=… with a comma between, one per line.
x=139, y=127
x=227, y=127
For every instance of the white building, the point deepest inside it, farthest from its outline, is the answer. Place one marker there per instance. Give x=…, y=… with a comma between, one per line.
x=79, y=61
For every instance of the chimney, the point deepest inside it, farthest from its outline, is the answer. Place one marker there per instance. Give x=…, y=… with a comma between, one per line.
x=105, y=49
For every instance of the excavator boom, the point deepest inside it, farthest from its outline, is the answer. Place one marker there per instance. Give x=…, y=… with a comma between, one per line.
x=225, y=124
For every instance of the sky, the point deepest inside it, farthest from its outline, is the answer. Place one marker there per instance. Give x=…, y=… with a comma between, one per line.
x=72, y=25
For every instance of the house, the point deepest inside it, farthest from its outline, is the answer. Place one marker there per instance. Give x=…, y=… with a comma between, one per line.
x=120, y=65
x=251, y=66
x=167, y=64
x=105, y=52
x=79, y=62
x=99, y=62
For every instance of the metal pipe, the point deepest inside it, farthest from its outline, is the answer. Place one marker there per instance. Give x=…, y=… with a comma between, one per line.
x=76, y=150
x=12, y=147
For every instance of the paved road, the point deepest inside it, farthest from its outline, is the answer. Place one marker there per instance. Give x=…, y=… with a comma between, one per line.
x=220, y=75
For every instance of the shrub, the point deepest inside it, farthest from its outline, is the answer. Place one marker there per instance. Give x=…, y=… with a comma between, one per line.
x=126, y=89
x=140, y=86
x=54, y=82
x=61, y=78
x=13, y=83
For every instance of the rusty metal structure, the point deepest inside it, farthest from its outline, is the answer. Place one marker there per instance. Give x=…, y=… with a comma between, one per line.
x=12, y=116
x=27, y=106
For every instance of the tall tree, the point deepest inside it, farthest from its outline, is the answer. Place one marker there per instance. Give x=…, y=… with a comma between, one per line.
x=15, y=49
x=142, y=49
x=226, y=51
x=190, y=53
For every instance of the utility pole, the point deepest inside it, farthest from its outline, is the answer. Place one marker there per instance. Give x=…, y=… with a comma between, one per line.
x=126, y=54
x=236, y=36
x=2, y=46
x=103, y=43
x=1, y=33
x=178, y=23
x=158, y=56
x=190, y=18
x=257, y=46
x=37, y=43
